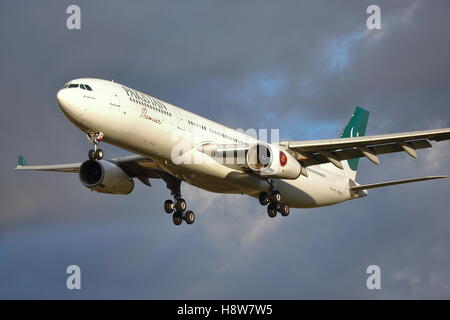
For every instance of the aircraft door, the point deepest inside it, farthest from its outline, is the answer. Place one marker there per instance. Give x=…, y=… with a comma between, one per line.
x=180, y=121
x=333, y=184
x=114, y=100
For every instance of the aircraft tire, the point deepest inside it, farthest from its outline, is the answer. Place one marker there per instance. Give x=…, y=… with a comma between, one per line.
x=275, y=197
x=272, y=210
x=264, y=198
x=284, y=209
x=169, y=206
x=189, y=217
x=180, y=205
x=177, y=219
x=91, y=154
x=99, y=154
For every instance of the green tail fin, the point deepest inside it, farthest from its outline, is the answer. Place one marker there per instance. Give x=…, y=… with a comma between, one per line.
x=356, y=127
x=21, y=162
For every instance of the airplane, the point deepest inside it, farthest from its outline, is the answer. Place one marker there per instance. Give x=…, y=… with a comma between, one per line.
x=280, y=174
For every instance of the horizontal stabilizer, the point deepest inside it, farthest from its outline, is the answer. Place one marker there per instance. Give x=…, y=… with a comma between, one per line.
x=391, y=183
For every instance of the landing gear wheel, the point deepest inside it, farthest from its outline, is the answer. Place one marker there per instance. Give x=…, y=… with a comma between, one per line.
x=264, y=198
x=189, y=217
x=284, y=209
x=169, y=206
x=99, y=154
x=91, y=154
x=180, y=205
x=275, y=197
x=177, y=219
x=95, y=138
x=272, y=210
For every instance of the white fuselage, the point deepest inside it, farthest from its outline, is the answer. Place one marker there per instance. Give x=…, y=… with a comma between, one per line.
x=152, y=128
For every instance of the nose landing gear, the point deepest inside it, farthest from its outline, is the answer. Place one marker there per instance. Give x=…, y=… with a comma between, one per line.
x=96, y=153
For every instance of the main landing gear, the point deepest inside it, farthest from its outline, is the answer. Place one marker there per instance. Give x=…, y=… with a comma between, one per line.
x=178, y=206
x=96, y=153
x=273, y=200
x=178, y=211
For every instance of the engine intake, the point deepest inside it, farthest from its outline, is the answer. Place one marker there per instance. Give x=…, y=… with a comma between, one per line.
x=105, y=177
x=270, y=161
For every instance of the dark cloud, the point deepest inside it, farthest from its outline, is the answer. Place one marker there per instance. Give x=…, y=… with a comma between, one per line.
x=300, y=66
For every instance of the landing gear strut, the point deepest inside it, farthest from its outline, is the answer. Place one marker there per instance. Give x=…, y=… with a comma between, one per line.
x=273, y=198
x=96, y=153
x=176, y=207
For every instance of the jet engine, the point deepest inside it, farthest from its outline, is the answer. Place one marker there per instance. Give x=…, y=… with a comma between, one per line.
x=105, y=177
x=270, y=161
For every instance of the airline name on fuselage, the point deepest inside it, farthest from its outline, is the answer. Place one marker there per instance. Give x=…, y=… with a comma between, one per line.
x=144, y=98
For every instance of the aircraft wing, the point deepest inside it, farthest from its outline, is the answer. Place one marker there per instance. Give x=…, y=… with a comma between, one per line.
x=135, y=165
x=313, y=152
x=69, y=167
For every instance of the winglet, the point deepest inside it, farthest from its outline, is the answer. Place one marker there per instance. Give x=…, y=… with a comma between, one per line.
x=21, y=162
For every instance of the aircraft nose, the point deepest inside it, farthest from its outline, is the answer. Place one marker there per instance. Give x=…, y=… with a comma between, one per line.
x=62, y=98
x=69, y=103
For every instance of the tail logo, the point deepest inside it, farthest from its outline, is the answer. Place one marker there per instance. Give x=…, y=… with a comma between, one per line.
x=351, y=133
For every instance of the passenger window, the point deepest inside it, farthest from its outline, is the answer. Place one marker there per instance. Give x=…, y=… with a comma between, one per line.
x=73, y=85
x=88, y=87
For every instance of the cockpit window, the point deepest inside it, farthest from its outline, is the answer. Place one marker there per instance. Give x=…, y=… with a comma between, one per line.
x=76, y=85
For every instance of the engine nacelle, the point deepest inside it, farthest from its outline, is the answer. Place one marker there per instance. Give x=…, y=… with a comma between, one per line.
x=270, y=161
x=105, y=177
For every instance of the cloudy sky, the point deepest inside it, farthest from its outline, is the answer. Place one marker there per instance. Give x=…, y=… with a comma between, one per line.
x=301, y=66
